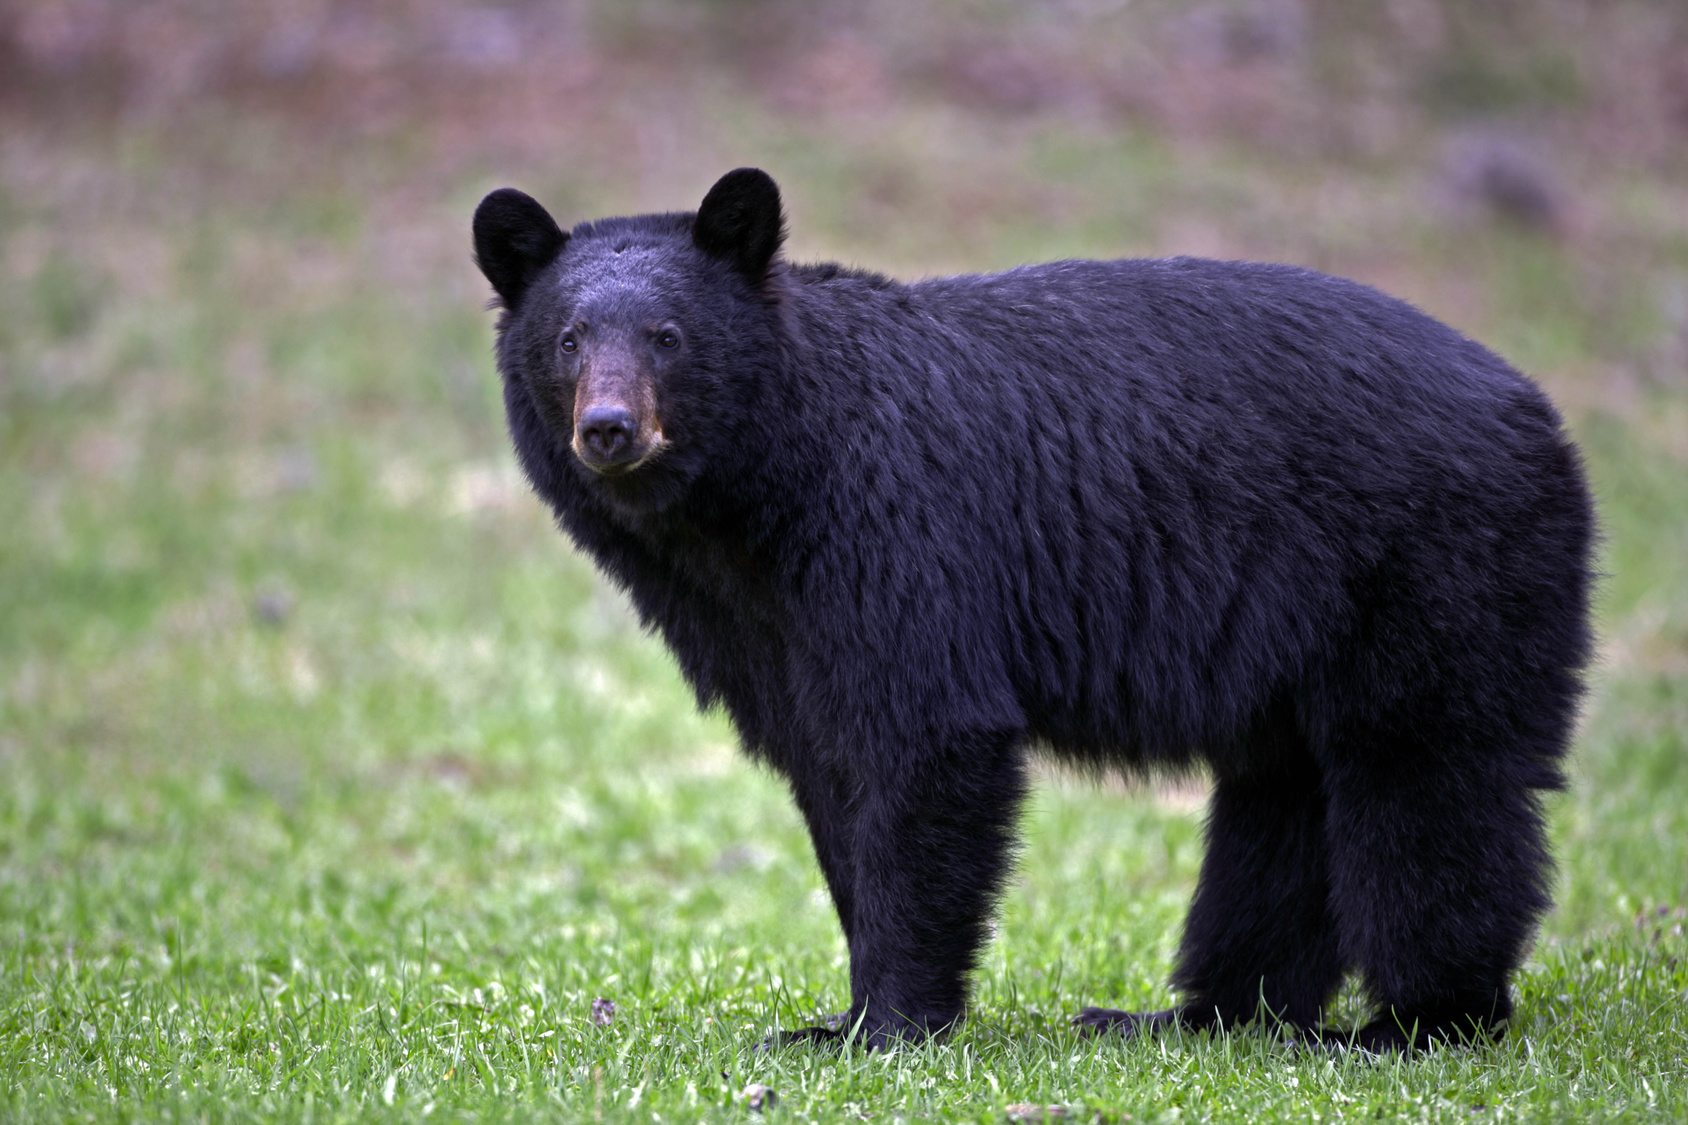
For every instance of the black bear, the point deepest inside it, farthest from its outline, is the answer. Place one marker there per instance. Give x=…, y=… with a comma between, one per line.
x=1133, y=515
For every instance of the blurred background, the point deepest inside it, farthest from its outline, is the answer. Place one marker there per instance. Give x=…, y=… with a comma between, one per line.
x=279, y=617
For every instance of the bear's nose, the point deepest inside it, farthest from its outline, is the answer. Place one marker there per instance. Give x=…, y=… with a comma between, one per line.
x=606, y=432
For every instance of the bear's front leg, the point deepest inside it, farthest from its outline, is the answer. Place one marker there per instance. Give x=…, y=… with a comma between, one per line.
x=828, y=800
x=934, y=831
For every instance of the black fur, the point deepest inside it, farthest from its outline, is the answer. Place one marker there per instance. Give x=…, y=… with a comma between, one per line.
x=739, y=221
x=1134, y=514
x=515, y=238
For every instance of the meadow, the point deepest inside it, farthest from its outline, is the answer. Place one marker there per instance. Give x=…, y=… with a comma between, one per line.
x=335, y=786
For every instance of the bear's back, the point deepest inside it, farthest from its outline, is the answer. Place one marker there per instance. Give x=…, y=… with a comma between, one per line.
x=1162, y=487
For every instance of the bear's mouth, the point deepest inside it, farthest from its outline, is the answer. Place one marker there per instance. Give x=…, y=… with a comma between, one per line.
x=630, y=460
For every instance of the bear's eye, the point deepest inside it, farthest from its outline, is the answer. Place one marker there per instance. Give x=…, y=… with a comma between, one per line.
x=668, y=338
x=568, y=345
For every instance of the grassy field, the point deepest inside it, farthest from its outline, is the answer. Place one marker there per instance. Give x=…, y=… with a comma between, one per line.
x=334, y=786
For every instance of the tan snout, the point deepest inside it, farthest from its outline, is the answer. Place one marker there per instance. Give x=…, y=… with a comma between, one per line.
x=615, y=424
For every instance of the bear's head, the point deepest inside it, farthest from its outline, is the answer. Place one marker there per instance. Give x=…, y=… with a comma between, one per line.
x=636, y=351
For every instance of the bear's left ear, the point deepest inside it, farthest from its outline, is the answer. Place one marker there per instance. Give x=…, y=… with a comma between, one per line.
x=515, y=238
x=740, y=223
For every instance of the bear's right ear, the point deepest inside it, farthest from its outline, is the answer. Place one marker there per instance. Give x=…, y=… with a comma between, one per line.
x=740, y=223
x=515, y=238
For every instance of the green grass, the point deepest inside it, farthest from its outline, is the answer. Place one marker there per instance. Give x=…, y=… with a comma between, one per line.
x=334, y=786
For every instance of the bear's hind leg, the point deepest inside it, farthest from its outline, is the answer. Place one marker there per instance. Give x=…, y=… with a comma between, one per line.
x=1260, y=939
x=1439, y=874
